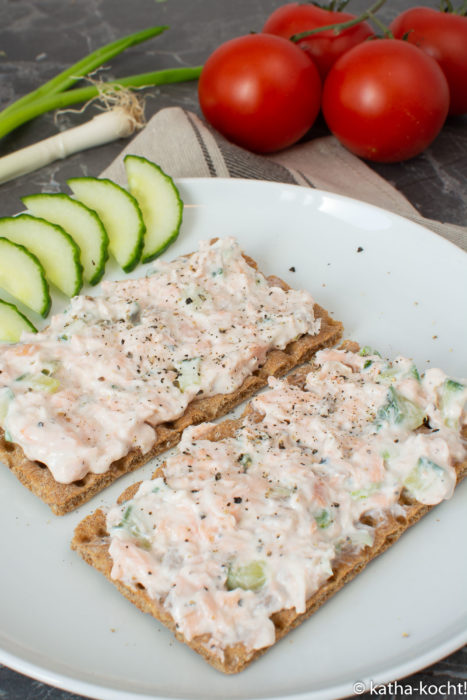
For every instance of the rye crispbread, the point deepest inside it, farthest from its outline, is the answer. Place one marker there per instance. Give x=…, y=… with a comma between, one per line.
x=91, y=541
x=63, y=498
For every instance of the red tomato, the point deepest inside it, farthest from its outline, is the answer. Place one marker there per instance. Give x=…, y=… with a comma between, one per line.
x=261, y=92
x=443, y=36
x=385, y=100
x=324, y=48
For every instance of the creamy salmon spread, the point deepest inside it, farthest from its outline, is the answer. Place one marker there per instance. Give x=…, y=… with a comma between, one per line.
x=99, y=379
x=238, y=529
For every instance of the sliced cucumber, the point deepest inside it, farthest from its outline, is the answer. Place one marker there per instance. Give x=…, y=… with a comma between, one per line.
x=55, y=249
x=22, y=275
x=120, y=214
x=83, y=225
x=12, y=323
x=159, y=201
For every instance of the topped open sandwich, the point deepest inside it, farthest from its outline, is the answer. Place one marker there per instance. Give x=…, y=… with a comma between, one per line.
x=256, y=522
x=69, y=395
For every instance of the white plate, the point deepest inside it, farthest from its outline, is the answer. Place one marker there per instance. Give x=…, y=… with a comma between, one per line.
x=63, y=623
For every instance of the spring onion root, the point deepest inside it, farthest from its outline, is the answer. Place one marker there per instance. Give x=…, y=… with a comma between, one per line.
x=118, y=122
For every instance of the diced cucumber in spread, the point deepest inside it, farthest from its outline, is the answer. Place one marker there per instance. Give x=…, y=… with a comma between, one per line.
x=159, y=485
x=245, y=460
x=188, y=373
x=368, y=350
x=249, y=577
x=279, y=492
x=119, y=213
x=12, y=323
x=324, y=518
x=134, y=526
x=159, y=202
x=425, y=476
x=22, y=275
x=40, y=382
x=83, y=225
x=399, y=411
x=6, y=395
x=452, y=400
x=396, y=372
x=56, y=250
x=366, y=492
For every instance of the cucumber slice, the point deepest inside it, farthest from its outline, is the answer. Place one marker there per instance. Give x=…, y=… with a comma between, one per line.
x=22, y=275
x=12, y=323
x=83, y=225
x=55, y=249
x=159, y=201
x=120, y=214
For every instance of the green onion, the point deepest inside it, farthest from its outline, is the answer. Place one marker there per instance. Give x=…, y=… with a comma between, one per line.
x=124, y=113
x=49, y=102
x=78, y=70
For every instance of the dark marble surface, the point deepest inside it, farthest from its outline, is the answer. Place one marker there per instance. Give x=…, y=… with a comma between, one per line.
x=39, y=38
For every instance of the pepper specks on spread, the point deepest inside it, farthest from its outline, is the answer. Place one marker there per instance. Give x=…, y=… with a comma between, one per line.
x=111, y=368
x=262, y=516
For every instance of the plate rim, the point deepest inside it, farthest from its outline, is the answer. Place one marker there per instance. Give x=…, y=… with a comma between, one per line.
x=334, y=195
x=71, y=684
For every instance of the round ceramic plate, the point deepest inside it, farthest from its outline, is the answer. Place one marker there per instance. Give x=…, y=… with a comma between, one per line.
x=396, y=287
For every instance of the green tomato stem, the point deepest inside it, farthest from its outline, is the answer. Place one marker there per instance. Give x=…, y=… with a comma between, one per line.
x=11, y=121
x=339, y=27
x=386, y=31
x=446, y=6
x=78, y=70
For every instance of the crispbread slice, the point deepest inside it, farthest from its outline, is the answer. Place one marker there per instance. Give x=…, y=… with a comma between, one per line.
x=91, y=540
x=62, y=498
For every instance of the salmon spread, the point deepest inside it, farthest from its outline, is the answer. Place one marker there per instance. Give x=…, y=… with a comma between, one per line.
x=98, y=380
x=240, y=528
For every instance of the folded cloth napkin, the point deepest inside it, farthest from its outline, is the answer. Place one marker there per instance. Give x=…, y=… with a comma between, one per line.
x=184, y=146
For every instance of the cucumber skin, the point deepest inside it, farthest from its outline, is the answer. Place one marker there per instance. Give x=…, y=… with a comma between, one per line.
x=174, y=235
x=96, y=278
x=142, y=229
x=27, y=322
x=76, y=257
x=152, y=256
x=45, y=287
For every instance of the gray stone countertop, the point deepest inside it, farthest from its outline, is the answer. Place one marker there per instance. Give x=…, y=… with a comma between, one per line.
x=39, y=38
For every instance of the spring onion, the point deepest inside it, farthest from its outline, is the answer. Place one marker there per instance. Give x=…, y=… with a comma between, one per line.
x=49, y=102
x=79, y=70
x=124, y=112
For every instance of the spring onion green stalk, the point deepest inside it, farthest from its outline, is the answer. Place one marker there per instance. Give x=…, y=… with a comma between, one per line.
x=47, y=103
x=79, y=70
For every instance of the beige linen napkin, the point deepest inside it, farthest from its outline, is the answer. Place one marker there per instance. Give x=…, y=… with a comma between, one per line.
x=185, y=147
